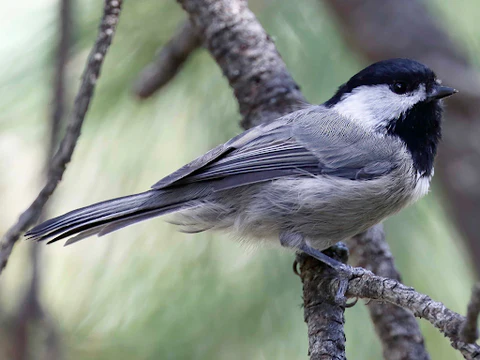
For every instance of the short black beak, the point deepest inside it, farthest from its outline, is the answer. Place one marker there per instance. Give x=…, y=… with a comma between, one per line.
x=439, y=92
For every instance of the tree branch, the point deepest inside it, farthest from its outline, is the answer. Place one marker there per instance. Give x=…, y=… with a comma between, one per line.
x=265, y=91
x=31, y=317
x=168, y=62
x=364, y=284
x=59, y=82
x=324, y=305
x=62, y=157
x=248, y=58
x=469, y=331
x=395, y=326
x=423, y=39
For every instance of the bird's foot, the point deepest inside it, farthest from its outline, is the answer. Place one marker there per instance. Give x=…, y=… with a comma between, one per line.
x=330, y=257
x=297, y=241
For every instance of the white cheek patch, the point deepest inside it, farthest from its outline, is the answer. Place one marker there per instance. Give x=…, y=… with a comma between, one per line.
x=374, y=106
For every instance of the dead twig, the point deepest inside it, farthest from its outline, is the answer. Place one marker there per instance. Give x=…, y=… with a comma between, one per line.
x=364, y=284
x=469, y=331
x=396, y=327
x=63, y=155
x=59, y=81
x=169, y=61
x=31, y=317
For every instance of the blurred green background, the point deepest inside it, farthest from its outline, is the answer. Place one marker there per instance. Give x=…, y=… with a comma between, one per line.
x=148, y=292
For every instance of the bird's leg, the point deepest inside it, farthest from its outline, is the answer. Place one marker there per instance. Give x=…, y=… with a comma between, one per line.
x=297, y=241
x=338, y=269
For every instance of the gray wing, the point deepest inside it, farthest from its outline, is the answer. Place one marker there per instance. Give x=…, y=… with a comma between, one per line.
x=345, y=149
x=264, y=132
x=309, y=142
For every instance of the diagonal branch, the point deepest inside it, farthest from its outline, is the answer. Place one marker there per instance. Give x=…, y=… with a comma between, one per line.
x=469, y=332
x=248, y=58
x=62, y=157
x=395, y=326
x=59, y=82
x=364, y=284
x=169, y=61
x=30, y=313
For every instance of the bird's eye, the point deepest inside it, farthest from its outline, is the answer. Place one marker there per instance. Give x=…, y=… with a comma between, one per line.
x=399, y=87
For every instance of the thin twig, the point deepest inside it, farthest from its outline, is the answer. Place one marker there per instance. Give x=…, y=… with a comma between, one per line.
x=168, y=62
x=59, y=87
x=469, y=331
x=364, y=284
x=396, y=327
x=30, y=313
x=62, y=157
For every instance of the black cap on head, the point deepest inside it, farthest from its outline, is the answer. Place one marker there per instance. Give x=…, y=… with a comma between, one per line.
x=410, y=72
x=417, y=124
x=392, y=70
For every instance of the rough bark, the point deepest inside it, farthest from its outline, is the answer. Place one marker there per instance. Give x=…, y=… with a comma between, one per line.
x=324, y=305
x=365, y=285
x=248, y=58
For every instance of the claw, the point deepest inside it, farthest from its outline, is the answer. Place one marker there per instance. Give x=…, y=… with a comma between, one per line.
x=296, y=270
x=352, y=304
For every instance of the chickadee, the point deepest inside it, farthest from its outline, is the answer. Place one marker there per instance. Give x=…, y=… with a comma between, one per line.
x=311, y=178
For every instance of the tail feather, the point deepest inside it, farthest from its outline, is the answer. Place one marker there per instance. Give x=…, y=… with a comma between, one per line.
x=111, y=215
x=83, y=235
x=120, y=224
x=108, y=228
x=97, y=211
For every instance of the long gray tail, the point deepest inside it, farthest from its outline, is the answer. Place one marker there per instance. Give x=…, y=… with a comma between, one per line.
x=107, y=216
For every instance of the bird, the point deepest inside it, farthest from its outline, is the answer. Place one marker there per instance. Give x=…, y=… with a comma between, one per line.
x=307, y=180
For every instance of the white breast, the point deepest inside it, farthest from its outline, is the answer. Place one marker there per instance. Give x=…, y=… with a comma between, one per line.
x=421, y=188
